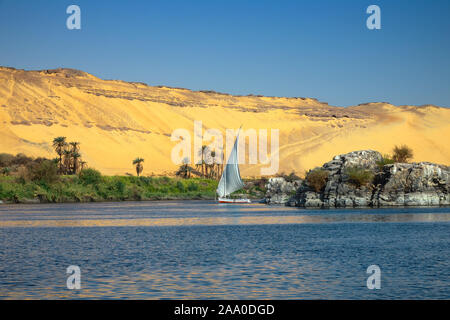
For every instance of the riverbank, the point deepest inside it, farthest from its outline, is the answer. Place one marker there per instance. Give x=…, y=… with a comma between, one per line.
x=113, y=188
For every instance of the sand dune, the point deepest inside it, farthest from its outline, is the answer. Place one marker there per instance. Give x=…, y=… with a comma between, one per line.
x=116, y=121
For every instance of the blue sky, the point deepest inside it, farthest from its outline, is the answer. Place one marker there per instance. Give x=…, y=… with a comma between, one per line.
x=320, y=49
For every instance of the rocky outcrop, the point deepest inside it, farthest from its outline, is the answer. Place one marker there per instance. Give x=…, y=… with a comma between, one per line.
x=398, y=184
x=279, y=190
x=412, y=184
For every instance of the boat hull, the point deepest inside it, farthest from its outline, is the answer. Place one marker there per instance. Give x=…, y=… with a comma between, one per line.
x=228, y=200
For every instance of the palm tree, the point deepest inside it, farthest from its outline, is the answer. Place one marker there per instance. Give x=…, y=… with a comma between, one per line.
x=220, y=170
x=202, y=162
x=82, y=164
x=138, y=163
x=59, y=143
x=67, y=161
x=197, y=168
x=214, y=165
x=185, y=168
x=75, y=146
x=75, y=156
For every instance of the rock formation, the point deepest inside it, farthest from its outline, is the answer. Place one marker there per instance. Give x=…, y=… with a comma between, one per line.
x=279, y=191
x=398, y=184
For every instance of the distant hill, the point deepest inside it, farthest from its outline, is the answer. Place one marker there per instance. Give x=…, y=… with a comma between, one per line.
x=116, y=121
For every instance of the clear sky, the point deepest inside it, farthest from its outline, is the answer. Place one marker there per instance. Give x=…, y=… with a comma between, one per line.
x=320, y=49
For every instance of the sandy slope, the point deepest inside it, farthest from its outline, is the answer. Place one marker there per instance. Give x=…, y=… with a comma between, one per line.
x=116, y=121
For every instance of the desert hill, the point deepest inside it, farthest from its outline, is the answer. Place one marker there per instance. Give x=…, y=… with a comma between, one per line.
x=116, y=121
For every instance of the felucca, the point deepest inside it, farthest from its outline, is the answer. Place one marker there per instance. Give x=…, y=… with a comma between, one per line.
x=231, y=181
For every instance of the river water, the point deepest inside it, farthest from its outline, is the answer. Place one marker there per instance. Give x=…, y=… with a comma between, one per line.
x=203, y=250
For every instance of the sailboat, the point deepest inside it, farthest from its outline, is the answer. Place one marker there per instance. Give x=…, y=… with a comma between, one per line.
x=230, y=181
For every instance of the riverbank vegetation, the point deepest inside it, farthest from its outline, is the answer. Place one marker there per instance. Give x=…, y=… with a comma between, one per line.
x=31, y=180
x=89, y=185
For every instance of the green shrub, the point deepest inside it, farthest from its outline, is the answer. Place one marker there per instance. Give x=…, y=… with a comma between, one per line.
x=385, y=160
x=135, y=193
x=120, y=186
x=145, y=180
x=317, y=179
x=45, y=171
x=6, y=171
x=164, y=180
x=180, y=186
x=192, y=186
x=359, y=176
x=90, y=176
x=402, y=153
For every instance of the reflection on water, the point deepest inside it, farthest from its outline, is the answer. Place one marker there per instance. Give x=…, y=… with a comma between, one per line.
x=216, y=221
x=196, y=213
x=198, y=249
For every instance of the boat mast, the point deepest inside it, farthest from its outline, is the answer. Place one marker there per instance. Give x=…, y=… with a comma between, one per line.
x=225, y=184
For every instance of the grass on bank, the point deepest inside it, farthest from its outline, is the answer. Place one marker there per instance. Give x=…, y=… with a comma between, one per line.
x=90, y=185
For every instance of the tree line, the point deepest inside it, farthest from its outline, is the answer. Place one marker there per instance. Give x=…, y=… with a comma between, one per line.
x=207, y=166
x=69, y=156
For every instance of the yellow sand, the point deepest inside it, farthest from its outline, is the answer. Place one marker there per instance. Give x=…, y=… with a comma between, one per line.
x=117, y=121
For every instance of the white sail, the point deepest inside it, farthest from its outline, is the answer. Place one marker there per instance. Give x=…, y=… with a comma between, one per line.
x=231, y=178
